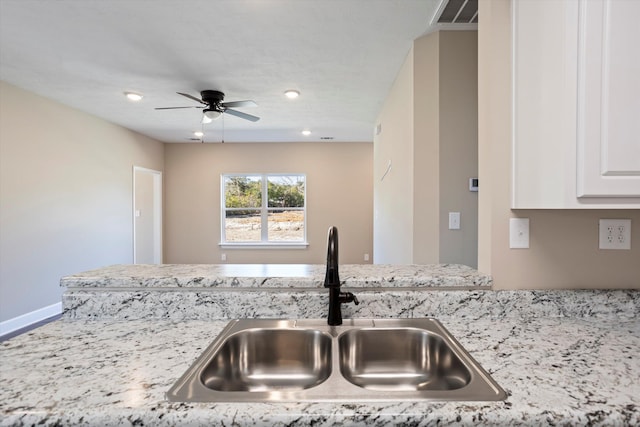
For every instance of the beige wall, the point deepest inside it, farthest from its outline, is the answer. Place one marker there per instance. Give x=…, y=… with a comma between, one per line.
x=458, y=145
x=563, y=243
x=339, y=192
x=66, y=181
x=433, y=139
x=426, y=143
x=393, y=195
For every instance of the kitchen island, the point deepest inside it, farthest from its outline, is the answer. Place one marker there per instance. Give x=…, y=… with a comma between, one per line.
x=206, y=291
x=276, y=276
x=563, y=357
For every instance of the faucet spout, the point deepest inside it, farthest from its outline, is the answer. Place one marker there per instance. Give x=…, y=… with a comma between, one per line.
x=332, y=281
x=332, y=276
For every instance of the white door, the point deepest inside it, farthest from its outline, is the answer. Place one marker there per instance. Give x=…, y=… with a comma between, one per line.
x=147, y=216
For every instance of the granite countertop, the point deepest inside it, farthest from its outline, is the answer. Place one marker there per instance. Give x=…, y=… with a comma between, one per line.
x=228, y=291
x=129, y=332
x=556, y=371
x=276, y=276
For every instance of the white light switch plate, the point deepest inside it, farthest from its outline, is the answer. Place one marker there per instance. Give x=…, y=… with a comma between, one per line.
x=454, y=220
x=519, y=233
x=614, y=234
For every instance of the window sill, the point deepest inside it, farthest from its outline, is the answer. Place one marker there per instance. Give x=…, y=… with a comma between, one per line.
x=288, y=245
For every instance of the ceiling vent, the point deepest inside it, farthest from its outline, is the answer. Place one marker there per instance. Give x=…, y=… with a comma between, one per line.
x=459, y=12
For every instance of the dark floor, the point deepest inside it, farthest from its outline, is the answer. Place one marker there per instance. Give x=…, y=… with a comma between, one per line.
x=29, y=328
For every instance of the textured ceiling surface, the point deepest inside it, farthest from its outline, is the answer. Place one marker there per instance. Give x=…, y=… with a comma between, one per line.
x=342, y=55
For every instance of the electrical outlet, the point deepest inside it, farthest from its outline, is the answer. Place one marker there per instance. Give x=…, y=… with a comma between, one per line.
x=223, y=257
x=366, y=257
x=615, y=234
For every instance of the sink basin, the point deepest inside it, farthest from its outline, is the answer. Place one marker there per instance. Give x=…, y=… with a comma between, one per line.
x=262, y=360
x=269, y=359
x=409, y=359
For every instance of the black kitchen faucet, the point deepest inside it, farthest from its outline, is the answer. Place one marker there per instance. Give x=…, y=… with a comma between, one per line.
x=332, y=281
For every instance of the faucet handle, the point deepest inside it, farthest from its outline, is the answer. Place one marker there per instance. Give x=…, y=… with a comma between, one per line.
x=348, y=297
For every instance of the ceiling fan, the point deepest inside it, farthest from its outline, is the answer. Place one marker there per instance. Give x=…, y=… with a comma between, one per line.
x=214, y=107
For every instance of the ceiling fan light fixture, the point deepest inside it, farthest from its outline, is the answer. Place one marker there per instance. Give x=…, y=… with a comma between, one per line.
x=211, y=115
x=291, y=94
x=132, y=96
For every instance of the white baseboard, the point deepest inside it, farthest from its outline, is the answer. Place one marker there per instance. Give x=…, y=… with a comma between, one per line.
x=28, y=319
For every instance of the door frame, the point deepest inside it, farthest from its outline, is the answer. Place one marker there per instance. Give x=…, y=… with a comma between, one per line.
x=157, y=212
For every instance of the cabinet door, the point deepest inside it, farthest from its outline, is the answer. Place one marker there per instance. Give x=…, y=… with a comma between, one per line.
x=608, y=128
x=576, y=104
x=544, y=103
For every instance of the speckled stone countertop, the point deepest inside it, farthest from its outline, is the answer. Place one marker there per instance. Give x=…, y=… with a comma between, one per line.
x=275, y=276
x=230, y=291
x=564, y=357
x=557, y=371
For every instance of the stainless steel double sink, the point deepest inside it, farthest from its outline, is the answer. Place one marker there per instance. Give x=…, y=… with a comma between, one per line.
x=264, y=360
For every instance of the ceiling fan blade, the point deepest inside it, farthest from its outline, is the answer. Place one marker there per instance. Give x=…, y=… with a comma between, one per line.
x=242, y=115
x=174, y=108
x=235, y=104
x=192, y=97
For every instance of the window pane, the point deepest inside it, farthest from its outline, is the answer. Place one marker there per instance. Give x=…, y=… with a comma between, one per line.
x=243, y=191
x=286, y=191
x=242, y=226
x=286, y=226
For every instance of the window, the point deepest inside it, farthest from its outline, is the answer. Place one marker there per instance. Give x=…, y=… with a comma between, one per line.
x=263, y=209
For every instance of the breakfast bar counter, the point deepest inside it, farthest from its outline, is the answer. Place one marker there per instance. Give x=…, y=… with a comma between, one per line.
x=276, y=276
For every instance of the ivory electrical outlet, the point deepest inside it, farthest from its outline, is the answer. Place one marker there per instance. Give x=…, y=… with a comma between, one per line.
x=614, y=234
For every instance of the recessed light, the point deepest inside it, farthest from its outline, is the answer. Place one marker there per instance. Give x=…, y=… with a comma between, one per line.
x=198, y=134
x=132, y=96
x=292, y=94
x=306, y=132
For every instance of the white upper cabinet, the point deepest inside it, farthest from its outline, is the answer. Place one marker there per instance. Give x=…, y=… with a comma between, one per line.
x=609, y=98
x=576, y=104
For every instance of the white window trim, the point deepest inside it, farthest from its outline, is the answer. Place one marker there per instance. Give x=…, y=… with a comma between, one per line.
x=266, y=245
x=264, y=212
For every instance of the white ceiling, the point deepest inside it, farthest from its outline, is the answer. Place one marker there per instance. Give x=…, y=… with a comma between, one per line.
x=342, y=55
